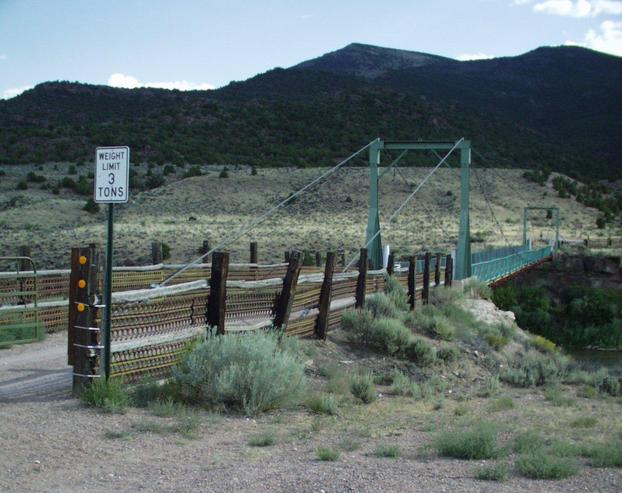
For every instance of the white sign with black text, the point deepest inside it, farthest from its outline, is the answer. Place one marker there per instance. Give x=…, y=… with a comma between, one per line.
x=112, y=174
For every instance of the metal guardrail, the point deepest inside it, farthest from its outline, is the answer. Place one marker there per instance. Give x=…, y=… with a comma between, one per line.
x=497, y=267
x=19, y=310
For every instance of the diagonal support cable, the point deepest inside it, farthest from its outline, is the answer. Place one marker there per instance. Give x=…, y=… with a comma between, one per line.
x=261, y=218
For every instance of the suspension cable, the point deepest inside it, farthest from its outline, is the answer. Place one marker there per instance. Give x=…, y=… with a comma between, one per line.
x=408, y=199
x=262, y=217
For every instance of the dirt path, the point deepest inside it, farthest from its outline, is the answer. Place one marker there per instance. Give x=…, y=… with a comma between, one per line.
x=35, y=372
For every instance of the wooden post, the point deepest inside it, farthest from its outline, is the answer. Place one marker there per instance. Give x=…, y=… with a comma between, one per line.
x=391, y=263
x=287, y=256
x=253, y=252
x=325, y=294
x=412, y=277
x=318, y=259
x=156, y=253
x=24, y=251
x=84, y=337
x=284, y=303
x=437, y=270
x=216, y=302
x=448, y=268
x=426, y=278
x=361, y=282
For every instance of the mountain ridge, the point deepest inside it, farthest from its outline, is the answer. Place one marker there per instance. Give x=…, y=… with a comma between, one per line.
x=559, y=107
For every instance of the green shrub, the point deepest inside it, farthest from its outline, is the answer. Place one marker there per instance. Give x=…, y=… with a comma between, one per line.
x=494, y=472
x=390, y=451
x=584, y=422
x=543, y=344
x=606, y=455
x=420, y=352
x=107, y=395
x=430, y=320
x=363, y=388
x=489, y=387
x=358, y=325
x=534, y=368
x=248, y=372
x=501, y=404
x=381, y=306
x=389, y=335
x=166, y=408
x=193, y=171
x=528, y=442
x=448, y=353
x=554, y=395
x=396, y=293
x=327, y=454
x=479, y=442
x=608, y=384
x=91, y=206
x=22, y=185
x=540, y=465
x=402, y=385
x=224, y=173
x=263, y=439
x=474, y=288
x=323, y=404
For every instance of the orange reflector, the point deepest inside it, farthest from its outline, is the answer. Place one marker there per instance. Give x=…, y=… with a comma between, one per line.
x=81, y=307
x=82, y=260
x=81, y=283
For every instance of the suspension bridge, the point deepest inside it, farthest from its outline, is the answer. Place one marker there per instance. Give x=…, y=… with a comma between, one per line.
x=157, y=309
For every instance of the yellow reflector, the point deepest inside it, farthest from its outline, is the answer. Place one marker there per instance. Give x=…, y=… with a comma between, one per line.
x=81, y=307
x=81, y=283
x=82, y=260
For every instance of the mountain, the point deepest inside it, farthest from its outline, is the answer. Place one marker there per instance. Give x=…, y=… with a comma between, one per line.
x=552, y=107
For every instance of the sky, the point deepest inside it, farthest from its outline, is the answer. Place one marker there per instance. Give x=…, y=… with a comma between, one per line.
x=203, y=44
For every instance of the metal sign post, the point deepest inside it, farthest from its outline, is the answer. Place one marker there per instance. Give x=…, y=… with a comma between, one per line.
x=112, y=174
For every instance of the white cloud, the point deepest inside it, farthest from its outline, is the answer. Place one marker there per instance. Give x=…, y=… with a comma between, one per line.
x=131, y=82
x=608, y=39
x=578, y=8
x=522, y=2
x=473, y=56
x=14, y=91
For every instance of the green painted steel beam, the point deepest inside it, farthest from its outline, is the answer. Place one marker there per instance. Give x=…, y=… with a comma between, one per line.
x=463, y=252
x=374, y=242
x=553, y=209
x=419, y=146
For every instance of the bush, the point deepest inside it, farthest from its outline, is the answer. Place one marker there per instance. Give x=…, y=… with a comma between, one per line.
x=327, y=454
x=363, y=388
x=430, y=320
x=495, y=472
x=448, y=353
x=35, y=178
x=193, y=171
x=381, y=306
x=390, y=451
x=264, y=439
x=224, y=173
x=540, y=465
x=107, y=395
x=389, y=335
x=606, y=455
x=543, y=344
x=396, y=293
x=22, y=185
x=489, y=387
x=91, y=207
x=474, y=288
x=528, y=442
x=251, y=373
x=534, y=369
x=402, y=385
x=420, y=352
x=478, y=443
x=501, y=404
x=323, y=404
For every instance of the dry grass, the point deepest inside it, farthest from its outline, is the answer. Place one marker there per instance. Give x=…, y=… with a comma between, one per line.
x=185, y=212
